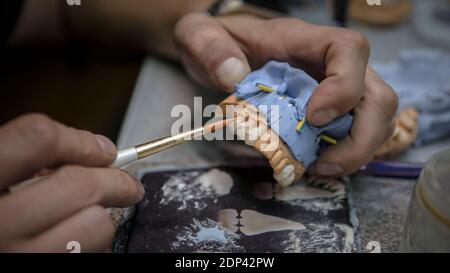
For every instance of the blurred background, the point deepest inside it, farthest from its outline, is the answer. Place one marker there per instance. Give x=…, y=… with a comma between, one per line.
x=71, y=83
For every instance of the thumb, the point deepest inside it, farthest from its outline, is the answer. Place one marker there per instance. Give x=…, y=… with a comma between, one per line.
x=209, y=53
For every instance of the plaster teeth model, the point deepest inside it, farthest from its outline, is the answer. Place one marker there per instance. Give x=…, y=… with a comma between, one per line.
x=251, y=127
x=282, y=134
x=270, y=108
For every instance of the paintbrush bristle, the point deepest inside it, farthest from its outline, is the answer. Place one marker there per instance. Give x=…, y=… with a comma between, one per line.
x=211, y=128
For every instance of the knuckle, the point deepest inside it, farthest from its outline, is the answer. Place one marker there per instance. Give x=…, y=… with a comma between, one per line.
x=196, y=35
x=181, y=26
x=282, y=28
x=82, y=183
x=190, y=30
x=203, y=38
x=87, y=145
x=188, y=20
x=281, y=25
x=356, y=40
x=127, y=182
x=37, y=128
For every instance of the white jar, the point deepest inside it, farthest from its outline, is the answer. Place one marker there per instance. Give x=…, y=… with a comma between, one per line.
x=427, y=226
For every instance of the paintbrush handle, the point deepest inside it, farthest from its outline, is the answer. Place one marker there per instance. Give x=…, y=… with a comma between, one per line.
x=149, y=148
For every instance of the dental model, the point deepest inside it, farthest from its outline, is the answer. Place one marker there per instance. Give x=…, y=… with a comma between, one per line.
x=269, y=107
x=405, y=133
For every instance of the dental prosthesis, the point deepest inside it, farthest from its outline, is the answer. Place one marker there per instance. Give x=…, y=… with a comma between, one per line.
x=270, y=106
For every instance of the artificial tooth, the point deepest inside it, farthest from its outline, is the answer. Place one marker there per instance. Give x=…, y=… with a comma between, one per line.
x=286, y=176
x=251, y=133
x=277, y=157
x=269, y=141
x=251, y=126
x=280, y=167
x=240, y=128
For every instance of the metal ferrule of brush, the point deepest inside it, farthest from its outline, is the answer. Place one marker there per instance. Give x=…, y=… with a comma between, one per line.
x=146, y=149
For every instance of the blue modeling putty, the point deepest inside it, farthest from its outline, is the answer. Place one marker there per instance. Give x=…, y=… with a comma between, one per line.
x=292, y=89
x=421, y=79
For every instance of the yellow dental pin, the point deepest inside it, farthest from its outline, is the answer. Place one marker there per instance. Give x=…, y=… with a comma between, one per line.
x=328, y=139
x=300, y=125
x=264, y=87
x=325, y=138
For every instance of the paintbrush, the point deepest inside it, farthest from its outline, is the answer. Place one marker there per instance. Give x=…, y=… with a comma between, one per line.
x=146, y=149
x=149, y=148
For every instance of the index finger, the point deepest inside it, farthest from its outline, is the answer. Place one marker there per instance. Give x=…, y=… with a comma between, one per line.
x=335, y=57
x=343, y=87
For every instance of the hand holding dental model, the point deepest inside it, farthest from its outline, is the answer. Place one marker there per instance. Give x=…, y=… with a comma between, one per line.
x=222, y=51
x=271, y=105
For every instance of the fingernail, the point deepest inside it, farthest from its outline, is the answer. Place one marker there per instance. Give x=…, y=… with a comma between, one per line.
x=327, y=169
x=231, y=71
x=323, y=117
x=106, y=144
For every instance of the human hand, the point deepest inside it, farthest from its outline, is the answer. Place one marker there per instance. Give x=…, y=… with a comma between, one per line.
x=221, y=51
x=67, y=205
